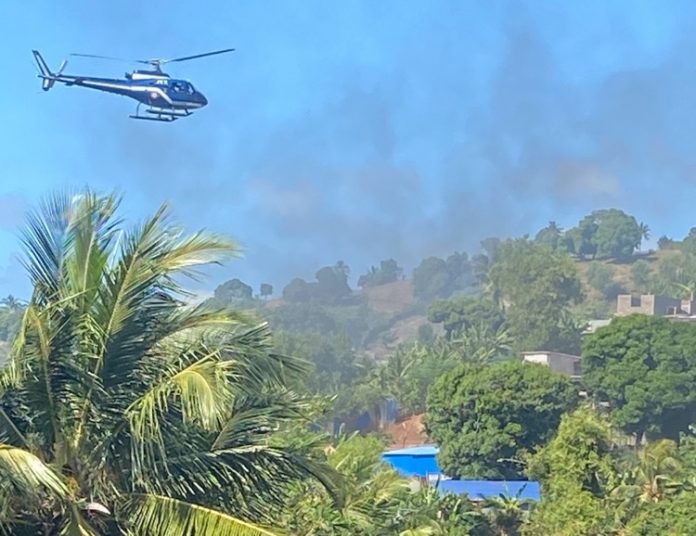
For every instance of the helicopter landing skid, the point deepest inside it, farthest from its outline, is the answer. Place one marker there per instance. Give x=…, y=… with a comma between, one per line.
x=161, y=118
x=160, y=114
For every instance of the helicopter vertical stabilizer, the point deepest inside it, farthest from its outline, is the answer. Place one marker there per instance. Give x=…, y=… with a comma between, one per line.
x=48, y=77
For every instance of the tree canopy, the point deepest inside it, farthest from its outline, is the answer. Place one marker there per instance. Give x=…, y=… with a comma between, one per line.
x=607, y=233
x=487, y=418
x=536, y=288
x=577, y=472
x=232, y=290
x=462, y=312
x=439, y=278
x=644, y=367
x=388, y=272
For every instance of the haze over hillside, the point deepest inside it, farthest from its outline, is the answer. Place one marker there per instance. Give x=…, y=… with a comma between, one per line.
x=346, y=141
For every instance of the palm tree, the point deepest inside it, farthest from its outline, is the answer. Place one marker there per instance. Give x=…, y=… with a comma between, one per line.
x=507, y=513
x=480, y=343
x=644, y=231
x=659, y=470
x=12, y=303
x=136, y=412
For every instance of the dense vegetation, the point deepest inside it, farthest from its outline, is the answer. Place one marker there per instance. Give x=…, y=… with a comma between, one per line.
x=126, y=409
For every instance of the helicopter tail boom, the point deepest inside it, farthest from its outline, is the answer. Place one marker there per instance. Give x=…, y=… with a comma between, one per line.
x=48, y=77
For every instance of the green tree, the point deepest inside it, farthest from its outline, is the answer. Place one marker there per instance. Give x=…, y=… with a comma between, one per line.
x=232, y=291
x=426, y=333
x=137, y=412
x=674, y=517
x=507, y=514
x=688, y=245
x=600, y=276
x=430, y=362
x=431, y=279
x=550, y=236
x=644, y=367
x=388, y=272
x=577, y=471
x=12, y=303
x=266, y=290
x=332, y=282
x=10, y=322
x=608, y=233
x=618, y=234
x=581, y=239
x=658, y=474
x=463, y=312
x=641, y=274
x=675, y=274
x=297, y=291
x=335, y=363
x=665, y=242
x=480, y=264
x=480, y=344
x=486, y=418
x=537, y=288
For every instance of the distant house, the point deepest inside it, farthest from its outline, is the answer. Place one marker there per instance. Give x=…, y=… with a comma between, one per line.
x=415, y=461
x=654, y=305
x=481, y=490
x=564, y=363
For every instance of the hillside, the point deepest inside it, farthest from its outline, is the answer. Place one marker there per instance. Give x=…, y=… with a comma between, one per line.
x=390, y=298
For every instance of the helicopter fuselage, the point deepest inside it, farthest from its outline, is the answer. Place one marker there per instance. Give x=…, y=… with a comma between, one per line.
x=155, y=90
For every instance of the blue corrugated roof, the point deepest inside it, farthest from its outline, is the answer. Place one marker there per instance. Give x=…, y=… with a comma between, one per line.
x=484, y=489
x=423, y=450
x=415, y=461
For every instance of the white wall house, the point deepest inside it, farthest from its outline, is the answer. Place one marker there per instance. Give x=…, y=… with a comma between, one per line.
x=564, y=363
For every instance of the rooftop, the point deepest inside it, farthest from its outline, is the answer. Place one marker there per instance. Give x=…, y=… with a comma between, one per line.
x=422, y=450
x=478, y=490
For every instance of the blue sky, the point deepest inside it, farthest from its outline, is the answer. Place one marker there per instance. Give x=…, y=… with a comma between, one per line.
x=360, y=130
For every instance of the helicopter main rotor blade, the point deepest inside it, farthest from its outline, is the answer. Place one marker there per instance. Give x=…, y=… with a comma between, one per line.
x=196, y=56
x=110, y=58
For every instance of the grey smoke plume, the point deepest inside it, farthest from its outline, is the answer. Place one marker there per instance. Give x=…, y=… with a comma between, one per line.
x=399, y=131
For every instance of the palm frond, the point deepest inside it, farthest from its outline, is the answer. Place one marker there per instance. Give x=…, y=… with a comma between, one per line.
x=9, y=431
x=262, y=367
x=28, y=474
x=158, y=515
x=197, y=384
x=44, y=240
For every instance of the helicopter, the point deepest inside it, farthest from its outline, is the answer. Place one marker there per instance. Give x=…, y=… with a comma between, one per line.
x=166, y=99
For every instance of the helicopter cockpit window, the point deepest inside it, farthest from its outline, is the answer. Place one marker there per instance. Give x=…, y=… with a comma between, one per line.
x=182, y=87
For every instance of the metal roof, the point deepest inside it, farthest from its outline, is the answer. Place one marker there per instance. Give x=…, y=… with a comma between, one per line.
x=423, y=450
x=478, y=490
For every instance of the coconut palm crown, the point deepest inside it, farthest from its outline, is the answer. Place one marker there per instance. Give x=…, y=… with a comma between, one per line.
x=127, y=410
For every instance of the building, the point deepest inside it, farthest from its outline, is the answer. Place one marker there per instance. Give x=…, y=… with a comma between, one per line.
x=415, y=461
x=481, y=490
x=654, y=305
x=564, y=363
x=420, y=464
